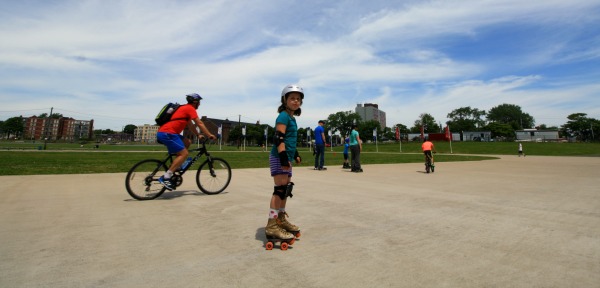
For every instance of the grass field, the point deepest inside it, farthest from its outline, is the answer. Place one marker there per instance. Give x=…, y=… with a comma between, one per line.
x=65, y=158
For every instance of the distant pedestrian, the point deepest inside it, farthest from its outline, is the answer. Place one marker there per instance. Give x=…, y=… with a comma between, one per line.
x=521, y=150
x=346, y=147
x=355, y=149
x=320, y=146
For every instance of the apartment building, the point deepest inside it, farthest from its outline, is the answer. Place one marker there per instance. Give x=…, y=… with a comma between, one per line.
x=370, y=111
x=64, y=128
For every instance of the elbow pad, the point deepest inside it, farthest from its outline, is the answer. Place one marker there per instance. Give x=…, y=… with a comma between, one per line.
x=278, y=138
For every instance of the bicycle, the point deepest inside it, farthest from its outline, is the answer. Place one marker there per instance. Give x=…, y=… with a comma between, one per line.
x=213, y=176
x=429, y=166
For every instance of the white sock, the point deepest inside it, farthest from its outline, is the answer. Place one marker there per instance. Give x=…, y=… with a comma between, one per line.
x=168, y=174
x=272, y=213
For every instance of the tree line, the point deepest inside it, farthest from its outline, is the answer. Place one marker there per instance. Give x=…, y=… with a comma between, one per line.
x=502, y=121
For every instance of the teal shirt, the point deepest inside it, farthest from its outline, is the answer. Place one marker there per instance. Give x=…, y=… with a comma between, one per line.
x=291, y=134
x=353, y=138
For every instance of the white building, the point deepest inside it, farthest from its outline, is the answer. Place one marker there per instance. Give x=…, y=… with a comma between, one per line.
x=536, y=135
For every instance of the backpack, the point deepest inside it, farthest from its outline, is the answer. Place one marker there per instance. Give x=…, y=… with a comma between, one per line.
x=166, y=113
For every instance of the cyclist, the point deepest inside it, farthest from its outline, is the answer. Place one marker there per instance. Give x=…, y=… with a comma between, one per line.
x=169, y=135
x=427, y=147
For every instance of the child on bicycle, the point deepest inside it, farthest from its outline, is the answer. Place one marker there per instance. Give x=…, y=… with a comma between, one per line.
x=280, y=160
x=169, y=134
x=427, y=147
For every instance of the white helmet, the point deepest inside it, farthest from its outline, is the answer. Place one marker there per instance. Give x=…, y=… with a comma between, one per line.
x=292, y=88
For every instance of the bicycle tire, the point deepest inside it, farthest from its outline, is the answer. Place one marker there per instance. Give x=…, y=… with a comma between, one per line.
x=142, y=179
x=216, y=183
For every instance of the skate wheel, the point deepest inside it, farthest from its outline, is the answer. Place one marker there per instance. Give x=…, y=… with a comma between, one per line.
x=298, y=235
x=284, y=246
x=269, y=245
x=292, y=241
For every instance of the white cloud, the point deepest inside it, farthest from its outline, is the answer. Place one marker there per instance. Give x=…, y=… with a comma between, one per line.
x=120, y=61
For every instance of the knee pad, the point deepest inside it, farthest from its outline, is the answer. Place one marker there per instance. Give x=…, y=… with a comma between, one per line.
x=280, y=191
x=283, y=191
x=289, y=188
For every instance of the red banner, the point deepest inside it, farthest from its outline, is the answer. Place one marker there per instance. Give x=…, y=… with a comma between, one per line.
x=397, y=133
x=448, y=134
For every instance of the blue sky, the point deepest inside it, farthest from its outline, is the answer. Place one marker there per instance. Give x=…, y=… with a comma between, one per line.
x=118, y=62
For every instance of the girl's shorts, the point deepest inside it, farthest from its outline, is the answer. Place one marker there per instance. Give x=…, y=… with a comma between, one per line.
x=275, y=165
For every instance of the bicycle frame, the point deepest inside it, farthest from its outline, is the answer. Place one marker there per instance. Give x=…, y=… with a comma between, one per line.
x=201, y=151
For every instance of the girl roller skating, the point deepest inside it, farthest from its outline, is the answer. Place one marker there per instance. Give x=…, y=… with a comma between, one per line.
x=279, y=228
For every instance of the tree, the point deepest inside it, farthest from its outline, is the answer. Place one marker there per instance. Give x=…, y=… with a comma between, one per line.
x=501, y=130
x=581, y=127
x=512, y=115
x=365, y=129
x=13, y=126
x=466, y=119
x=53, y=116
x=402, y=129
x=342, y=121
x=129, y=129
x=428, y=122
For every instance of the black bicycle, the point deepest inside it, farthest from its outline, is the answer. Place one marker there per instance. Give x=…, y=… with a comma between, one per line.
x=429, y=166
x=213, y=176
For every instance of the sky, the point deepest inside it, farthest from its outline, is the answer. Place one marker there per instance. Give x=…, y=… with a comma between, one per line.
x=119, y=62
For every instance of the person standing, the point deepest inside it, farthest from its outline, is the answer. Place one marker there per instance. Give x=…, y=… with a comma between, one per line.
x=346, y=147
x=320, y=146
x=521, y=150
x=355, y=150
x=169, y=134
x=283, y=152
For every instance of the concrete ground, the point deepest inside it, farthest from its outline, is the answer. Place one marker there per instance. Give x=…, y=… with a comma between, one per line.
x=513, y=222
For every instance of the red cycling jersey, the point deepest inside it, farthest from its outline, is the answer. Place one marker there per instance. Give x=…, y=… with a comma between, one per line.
x=186, y=112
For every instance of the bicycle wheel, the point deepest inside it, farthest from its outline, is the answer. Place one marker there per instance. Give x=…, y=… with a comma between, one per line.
x=142, y=180
x=213, y=180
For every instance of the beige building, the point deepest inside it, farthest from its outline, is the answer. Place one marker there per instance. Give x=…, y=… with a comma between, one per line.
x=145, y=133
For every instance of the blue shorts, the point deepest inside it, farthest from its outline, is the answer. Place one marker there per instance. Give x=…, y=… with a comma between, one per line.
x=174, y=142
x=275, y=165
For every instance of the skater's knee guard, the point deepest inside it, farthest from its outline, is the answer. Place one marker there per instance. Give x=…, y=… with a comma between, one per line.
x=283, y=191
x=280, y=191
x=289, y=188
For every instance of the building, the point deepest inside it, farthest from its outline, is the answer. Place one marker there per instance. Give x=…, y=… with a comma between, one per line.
x=536, y=135
x=370, y=111
x=145, y=133
x=63, y=128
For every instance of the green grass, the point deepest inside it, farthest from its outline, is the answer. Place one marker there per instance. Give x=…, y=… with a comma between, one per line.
x=25, y=159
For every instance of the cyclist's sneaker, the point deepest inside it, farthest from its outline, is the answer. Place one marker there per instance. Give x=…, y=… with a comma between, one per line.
x=165, y=182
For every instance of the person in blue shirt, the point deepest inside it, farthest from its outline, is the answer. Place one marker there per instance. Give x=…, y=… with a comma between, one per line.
x=280, y=162
x=346, y=146
x=320, y=146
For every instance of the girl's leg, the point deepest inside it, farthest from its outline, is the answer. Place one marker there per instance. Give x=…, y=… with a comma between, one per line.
x=282, y=215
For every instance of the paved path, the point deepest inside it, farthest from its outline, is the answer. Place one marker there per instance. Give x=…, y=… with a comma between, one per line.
x=513, y=222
